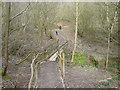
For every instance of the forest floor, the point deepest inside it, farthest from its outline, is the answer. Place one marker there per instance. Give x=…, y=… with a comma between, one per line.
x=82, y=45
x=76, y=76
x=88, y=77
x=18, y=76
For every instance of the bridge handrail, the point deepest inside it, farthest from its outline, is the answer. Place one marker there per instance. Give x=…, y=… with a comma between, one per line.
x=35, y=64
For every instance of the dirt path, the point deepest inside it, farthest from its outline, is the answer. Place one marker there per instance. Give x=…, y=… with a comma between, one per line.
x=84, y=77
x=59, y=36
x=90, y=48
x=76, y=77
x=81, y=77
x=49, y=76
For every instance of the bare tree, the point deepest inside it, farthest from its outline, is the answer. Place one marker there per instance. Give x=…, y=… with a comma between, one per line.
x=76, y=29
x=6, y=31
x=110, y=29
x=7, y=8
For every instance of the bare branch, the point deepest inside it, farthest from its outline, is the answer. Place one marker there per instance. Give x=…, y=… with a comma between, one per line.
x=32, y=70
x=23, y=26
x=20, y=12
x=23, y=60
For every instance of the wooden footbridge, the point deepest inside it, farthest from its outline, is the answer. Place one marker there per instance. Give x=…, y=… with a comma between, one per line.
x=50, y=71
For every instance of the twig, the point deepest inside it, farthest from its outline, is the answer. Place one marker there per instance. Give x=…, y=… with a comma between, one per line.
x=32, y=71
x=62, y=80
x=36, y=75
x=23, y=26
x=20, y=13
x=111, y=36
x=22, y=60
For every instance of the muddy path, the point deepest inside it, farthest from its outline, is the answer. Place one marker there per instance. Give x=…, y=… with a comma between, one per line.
x=49, y=76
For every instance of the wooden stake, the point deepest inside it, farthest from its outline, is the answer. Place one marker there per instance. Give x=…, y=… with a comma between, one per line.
x=63, y=64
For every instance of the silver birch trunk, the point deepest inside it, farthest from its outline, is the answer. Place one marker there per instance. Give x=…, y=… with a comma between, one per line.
x=76, y=30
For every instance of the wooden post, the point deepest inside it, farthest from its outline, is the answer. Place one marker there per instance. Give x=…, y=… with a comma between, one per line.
x=60, y=64
x=63, y=64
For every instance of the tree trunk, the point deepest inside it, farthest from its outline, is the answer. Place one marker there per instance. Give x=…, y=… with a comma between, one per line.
x=110, y=29
x=6, y=26
x=108, y=47
x=76, y=29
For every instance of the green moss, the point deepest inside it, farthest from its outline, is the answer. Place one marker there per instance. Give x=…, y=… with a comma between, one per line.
x=0, y=72
x=34, y=78
x=98, y=55
x=80, y=58
x=116, y=78
x=6, y=77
